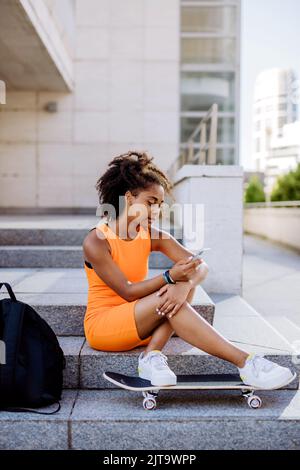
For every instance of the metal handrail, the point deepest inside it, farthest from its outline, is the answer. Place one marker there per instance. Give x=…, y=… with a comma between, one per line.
x=207, y=151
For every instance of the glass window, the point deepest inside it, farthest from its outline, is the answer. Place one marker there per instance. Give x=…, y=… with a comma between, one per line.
x=225, y=156
x=207, y=50
x=199, y=90
x=226, y=130
x=282, y=120
x=225, y=133
x=282, y=106
x=214, y=19
x=295, y=109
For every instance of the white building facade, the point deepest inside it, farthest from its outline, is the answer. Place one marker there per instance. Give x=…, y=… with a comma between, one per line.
x=283, y=154
x=95, y=78
x=275, y=136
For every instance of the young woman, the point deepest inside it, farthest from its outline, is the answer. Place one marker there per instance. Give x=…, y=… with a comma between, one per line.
x=125, y=310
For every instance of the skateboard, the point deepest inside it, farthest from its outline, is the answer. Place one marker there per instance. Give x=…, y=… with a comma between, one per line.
x=185, y=382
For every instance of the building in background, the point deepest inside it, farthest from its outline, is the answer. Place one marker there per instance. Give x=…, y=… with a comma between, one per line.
x=210, y=71
x=275, y=135
x=89, y=79
x=283, y=154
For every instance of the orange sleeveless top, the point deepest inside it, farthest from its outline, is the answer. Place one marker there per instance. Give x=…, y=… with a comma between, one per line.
x=131, y=257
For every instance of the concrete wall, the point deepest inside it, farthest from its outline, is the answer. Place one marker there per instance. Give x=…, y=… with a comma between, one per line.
x=218, y=190
x=37, y=44
x=280, y=224
x=126, y=96
x=62, y=13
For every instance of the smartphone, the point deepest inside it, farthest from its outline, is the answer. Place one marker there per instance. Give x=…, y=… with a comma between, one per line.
x=198, y=255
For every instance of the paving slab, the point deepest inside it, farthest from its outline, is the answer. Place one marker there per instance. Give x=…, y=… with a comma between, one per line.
x=26, y=431
x=185, y=420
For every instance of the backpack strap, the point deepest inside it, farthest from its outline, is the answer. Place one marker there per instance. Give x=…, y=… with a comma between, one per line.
x=16, y=409
x=10, y=291
x=12, y=314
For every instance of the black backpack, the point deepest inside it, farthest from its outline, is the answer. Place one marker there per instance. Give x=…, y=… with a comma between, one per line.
x=31, y=359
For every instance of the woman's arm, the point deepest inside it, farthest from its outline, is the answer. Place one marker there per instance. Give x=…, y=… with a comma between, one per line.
x=167, y=244
x=171, y=297
x=97, y=253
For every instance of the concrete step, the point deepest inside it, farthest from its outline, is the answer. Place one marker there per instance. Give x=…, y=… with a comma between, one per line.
x=55, y=240
x=60, y=296
x=41, y=256
x=50, y=237
x=47, y=229
x=85, y=365
x=55, y=256
x=53, y=229
x=183, y=420
x=234, y=318
x=44, y=237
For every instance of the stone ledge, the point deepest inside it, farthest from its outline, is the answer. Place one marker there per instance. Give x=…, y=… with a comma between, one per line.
x=60, y=296
x=86, y=365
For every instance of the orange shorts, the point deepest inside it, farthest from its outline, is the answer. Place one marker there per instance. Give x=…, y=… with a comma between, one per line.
x=114, y=329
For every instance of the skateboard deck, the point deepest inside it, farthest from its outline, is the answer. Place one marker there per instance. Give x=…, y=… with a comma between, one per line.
x=185, y=382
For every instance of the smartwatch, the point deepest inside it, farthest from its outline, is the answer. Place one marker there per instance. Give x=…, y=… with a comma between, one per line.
x=167, y=277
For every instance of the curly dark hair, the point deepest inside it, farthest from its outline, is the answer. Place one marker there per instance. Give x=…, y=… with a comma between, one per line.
x=133, y=171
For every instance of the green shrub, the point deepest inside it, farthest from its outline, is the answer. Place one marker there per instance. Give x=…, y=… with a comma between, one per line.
x=287, y=187
x=254, y=191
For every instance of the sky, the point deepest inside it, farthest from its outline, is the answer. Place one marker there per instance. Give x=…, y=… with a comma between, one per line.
x=270, y=37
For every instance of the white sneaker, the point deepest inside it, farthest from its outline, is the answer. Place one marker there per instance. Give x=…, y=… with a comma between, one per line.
x=262, y=373
x=153, y=366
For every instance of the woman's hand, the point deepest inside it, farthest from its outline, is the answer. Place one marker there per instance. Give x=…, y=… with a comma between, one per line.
x=173, y=298
x=184, y=269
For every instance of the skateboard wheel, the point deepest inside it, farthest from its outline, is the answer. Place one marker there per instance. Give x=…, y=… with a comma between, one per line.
x=149, y=403
x=254, y=401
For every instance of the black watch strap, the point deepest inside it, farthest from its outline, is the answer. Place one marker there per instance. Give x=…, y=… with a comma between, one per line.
x=168, y=278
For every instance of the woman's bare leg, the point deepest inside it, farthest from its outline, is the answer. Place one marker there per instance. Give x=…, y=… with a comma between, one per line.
x=194, y=329
x=190, y=295
x=188, y=325
x=160, y=337
x=163, y=332
x=146, y=317
x=148, y=322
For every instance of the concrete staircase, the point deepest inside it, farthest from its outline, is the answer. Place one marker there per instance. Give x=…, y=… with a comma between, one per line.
x=51, y=241
x=95, y=415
